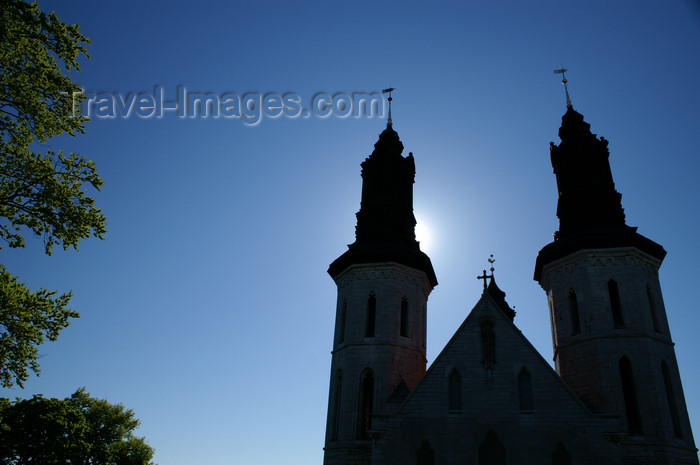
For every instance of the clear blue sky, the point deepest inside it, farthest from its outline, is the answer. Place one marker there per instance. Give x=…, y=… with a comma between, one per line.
x=207, y=309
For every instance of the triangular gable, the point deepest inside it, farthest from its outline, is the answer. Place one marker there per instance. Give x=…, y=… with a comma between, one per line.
x=464, y=352
x=507, y=392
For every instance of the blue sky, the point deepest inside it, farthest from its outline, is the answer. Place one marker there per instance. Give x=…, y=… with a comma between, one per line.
x=207, y=308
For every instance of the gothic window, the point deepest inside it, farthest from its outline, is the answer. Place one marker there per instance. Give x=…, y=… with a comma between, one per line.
x=337, y=392
x=573, y=313
x=343, y=319
x=615, y=305
x=425, y=455
x=525, y=390
x=671, y=398
x=488, y=349
x=364, y=420
x=491, y=451
x=629, y=392
x=371, y=315
x=561, y=456
x=404, y=317
x=488, y=340
x=652, y=310
x=454, y=394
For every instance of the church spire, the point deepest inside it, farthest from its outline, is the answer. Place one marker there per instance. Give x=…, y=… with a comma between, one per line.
x=385, y=228
x=589, y=208
x=587, y=196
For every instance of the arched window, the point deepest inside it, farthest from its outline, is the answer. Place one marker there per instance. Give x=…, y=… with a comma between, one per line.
x=343, y=319
x=615, y=305
x=404, y=317
x=364, y=413
x=629, y=391
x=561, y=456
x=525, y=390
x=371, y=315
x=671, y=398
x=491, y=451
x=454, y=394
x=573, y=313
x=425, y=455
x=652, y=310
x=337, y=392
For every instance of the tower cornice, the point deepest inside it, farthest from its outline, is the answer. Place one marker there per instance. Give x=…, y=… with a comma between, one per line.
x=596, y=241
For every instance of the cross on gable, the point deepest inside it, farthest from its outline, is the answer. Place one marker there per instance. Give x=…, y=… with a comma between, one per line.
x=484, y=276
x=491, y=261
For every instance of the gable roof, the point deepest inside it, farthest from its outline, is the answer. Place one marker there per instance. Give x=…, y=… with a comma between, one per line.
x=512, y=349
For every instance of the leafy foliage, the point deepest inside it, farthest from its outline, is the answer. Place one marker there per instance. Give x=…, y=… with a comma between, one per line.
x=26, y=318
x=41, y=193
x=77, y=430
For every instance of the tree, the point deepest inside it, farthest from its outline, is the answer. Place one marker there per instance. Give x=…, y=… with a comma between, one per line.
x=77, y=430
x=40, y=193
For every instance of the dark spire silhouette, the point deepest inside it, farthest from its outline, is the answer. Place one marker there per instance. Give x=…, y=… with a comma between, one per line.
x=386, y=210
x=385, y=228
x=587, y=196
x=589, y=208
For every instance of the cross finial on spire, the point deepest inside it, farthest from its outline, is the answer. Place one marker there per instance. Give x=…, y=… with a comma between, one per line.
x=484, y=276
x=389, y=91
x=562, y=71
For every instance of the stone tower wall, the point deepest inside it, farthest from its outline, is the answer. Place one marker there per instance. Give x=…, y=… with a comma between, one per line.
x=588, y=355
x=391, y=357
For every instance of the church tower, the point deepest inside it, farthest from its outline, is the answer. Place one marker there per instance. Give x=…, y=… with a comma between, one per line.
x=612, y=342
x=383, y=284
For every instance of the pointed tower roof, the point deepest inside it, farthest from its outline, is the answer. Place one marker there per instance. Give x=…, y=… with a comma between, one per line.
x=587, y=196
x=589, y=208
x=385, y=228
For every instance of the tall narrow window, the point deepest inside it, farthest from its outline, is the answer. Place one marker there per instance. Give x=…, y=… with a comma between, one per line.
x=337, y=392
x=491, y=451
x=525, y=390
x=425, y=455
x=343, y=319
x=629, y=391
x=371, y=315
x=573, y=313
x=561, y=456
x=364, y=420
x=671, y=398
x=404, y=317
x=652, y=310
x=454, y=391
x=615, y=305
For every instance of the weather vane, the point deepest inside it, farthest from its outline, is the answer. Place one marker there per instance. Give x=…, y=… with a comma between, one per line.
x=562, y=71
x=389, y=91
x=484, y=276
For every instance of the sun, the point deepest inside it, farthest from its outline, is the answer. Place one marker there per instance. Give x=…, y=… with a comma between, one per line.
x=423, y=234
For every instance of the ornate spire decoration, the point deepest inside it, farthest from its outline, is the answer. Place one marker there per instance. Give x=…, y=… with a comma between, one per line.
x=389, y=91
x=562, y=71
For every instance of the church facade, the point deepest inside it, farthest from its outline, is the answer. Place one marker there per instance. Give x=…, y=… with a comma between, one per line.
x=490, y=398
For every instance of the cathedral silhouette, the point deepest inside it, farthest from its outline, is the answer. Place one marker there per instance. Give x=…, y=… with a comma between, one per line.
x=490, y=398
